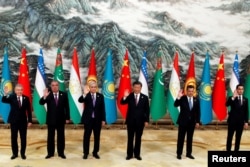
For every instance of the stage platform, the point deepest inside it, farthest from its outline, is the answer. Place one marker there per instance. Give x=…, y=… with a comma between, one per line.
x=158, y=147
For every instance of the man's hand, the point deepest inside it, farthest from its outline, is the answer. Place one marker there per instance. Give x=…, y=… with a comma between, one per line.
x=126, y=93
x=46, y=92
x=6, y=90
x=180, y=93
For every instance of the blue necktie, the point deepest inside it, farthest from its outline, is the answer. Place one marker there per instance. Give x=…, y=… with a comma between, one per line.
x=93, y=101
x=190, y=103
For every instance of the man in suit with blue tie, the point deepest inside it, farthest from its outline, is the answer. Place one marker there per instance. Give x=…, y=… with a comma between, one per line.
x=57, y=116
x=188, y=119
x=19, y=118
x=137, y=118
x=93, y=118
x=237, y=117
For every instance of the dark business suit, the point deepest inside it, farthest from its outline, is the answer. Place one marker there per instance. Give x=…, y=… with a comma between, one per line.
x=236, y=119
x=187, y=120
x=56, y=119
x=136, y=117
x=18, y=119
x=91, y=123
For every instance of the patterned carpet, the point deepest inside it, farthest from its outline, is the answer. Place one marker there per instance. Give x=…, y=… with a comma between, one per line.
x=158, y=147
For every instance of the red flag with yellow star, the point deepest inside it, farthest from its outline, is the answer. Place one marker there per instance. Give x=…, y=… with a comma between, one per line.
x=125, y=84
x=23, y=77
x=190, y=77
x=92, y=75
x=219, y=92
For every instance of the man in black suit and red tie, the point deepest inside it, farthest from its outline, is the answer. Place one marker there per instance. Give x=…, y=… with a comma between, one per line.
x=57, y=116
x=137, y=117
x=237, y=117
x=19, y=118
x=188, y=119
x=93, y=118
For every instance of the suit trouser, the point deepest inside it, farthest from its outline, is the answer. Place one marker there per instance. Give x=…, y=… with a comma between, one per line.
x=95, y=126
x=182, y=131
x=60, y=139
x=22, y=128
x=230, y=132
x=134, y=130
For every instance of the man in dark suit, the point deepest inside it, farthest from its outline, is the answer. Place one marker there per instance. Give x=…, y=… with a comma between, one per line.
x=237, y=117
x=137, y=117
x=19, y=118
x=93, y=118
x=188, y=119
x=57, y=116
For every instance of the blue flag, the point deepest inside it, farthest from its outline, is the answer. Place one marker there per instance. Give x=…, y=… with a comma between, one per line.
x=143, y=76
x=205, y=94
x=108, y=91
x=5, y=82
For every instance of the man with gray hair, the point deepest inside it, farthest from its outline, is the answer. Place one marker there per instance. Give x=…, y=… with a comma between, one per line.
x=93, y=118
x=19, y=118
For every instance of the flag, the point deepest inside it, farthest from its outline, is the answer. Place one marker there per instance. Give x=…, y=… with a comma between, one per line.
x=75, y=90
x=219, y=92
x=205, y=94
x=174, y=88
x=5, y=82
x=158, y=100
x=92, y=74
x=58, y=73
x=190, y=77
x=125, y=85
x=40, y=85
x=108, y=90
x=247, y=88
x=23, y=77
x=235, y=77
x=143, y=76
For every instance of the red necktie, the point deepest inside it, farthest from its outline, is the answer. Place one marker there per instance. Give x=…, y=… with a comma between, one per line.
x=56, y=99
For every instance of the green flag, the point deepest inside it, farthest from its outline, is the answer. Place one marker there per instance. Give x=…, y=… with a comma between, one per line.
x=247, y=90
x=58, y=73
x=158, y=99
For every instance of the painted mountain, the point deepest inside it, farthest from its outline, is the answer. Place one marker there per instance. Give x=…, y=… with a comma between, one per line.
x=186, y=25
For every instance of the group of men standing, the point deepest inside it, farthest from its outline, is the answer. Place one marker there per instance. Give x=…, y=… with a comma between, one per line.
x=93, y=118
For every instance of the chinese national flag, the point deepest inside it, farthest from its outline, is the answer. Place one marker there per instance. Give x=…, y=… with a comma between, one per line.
x=23, y=77
x=219, y=92
x=190, y=77
x=125, y=84
x=92, y=75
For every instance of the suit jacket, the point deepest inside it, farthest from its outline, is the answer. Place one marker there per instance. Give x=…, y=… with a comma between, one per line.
x=56, y=114
x=139, y=112
x=238, y=113
x=186, y=115
x=98, y=109
x=22, y=114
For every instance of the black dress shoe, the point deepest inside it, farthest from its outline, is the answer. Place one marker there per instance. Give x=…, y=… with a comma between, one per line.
x=190, y=156
x=85, y=156
x=138, y=158
x=62, y=156
x=128, y=157
x=23, y=156
x=13, y=157
x=179, y=157
x=96, y=156
x=48, y=156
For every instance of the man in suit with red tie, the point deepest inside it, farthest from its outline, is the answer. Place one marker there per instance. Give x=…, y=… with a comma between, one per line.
x=137, y=117
x=93, y=118
x=188, y=119
x=19, y=118
x=237, y=117
x=57, y=116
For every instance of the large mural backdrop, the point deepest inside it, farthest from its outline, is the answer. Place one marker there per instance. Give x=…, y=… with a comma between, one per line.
x=138, y=25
